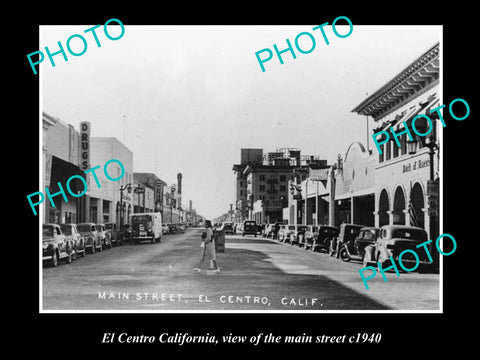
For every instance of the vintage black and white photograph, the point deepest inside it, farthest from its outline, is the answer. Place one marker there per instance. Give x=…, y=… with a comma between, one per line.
x=241, y=168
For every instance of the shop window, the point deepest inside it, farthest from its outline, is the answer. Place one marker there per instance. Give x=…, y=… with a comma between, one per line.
x=388, y=154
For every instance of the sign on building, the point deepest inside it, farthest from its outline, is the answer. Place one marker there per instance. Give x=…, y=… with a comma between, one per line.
x=84, y=145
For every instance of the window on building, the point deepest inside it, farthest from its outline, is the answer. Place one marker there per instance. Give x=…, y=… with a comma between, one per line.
x=283, y=188
x=388, y=154
x=381, y=155
x=262, y=188
x=395, y=148
x=403, y=142
x=262, y=177
x=283, y=177
x=241, y=183
x=241, y=192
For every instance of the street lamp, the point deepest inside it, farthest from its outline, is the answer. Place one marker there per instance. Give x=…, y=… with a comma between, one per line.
x=127, y=187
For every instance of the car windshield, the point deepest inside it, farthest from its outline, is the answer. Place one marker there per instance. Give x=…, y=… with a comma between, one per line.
x=47, y=230
x=108, y=226
x=302, y=228
x=67, y=230
x=292, y=227
x=84, y=228
x=98, y=227
x=411, y=234
x=250, y=223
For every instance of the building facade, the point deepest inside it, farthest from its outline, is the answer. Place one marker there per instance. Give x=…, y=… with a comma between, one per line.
x=113, y=201
x=407, y=176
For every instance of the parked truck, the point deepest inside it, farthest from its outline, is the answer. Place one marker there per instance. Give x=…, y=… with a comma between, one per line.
x=146, y=227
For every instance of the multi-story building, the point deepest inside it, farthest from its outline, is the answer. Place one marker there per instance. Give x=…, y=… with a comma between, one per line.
x=262, y=182
x=407, y=176
x=155, y=184
x=113, y=201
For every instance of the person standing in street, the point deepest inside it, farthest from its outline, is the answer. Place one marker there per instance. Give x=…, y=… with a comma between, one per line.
x=208, y=251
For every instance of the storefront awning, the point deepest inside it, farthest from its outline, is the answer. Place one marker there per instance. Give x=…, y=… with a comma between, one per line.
x=359, y=193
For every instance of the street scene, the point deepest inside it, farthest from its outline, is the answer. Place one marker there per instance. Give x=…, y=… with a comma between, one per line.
x=268, y=276
x=181, y=171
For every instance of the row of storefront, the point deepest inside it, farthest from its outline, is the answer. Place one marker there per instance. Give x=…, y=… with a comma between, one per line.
x=399, y=186
x=67, y=151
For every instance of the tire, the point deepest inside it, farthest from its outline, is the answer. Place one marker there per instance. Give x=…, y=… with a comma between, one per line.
x=344, y=255
x=54, y=260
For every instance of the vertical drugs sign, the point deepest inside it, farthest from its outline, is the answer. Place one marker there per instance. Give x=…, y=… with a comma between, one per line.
x=84, y=145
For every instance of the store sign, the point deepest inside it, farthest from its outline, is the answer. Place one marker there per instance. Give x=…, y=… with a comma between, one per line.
x=84, y=145
x=415, y=165
x=319, y=174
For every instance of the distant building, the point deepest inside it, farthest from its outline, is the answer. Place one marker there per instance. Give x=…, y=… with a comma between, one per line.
x=262, y=182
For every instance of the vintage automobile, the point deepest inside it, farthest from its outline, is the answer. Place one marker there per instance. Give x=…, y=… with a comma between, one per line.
x=322, y=238
x=346, y=233
x=310, y=234
x=71, y=232
x=297, y=235
x=123, y=235
x=354, y=249
x=93, y=242
x=228, y=228
x=55, y=245
x=249, y=228
x=272, y=230
x=181, y=228
x=111, y=232
x=172, y=228
x=165, y=229
x=285, y=235
x=394, y=239
x=106, y=240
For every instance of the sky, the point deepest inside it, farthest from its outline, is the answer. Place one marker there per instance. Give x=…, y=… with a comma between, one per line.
x=188, y=98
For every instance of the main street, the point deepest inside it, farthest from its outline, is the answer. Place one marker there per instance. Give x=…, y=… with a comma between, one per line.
x=256, y=274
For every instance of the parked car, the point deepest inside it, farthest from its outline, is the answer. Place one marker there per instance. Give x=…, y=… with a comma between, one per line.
x=165, y=229
x=310, y=234
x=355, y=248
x=56, y=246
x=106, y=240
x=323, y=237
x=123, y=235
x=284, y=236
x=110, y=230
x=71, y=232
x=181, y=228
x=392, y=240
x=92, y=238
x=249, y=228
x=172, y=228
x=298, y=234
x=261, y=229
x=228, y=228
x=346, y=233
x=272, y=230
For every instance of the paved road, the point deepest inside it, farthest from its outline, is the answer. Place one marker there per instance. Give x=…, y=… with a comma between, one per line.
x=256, y=274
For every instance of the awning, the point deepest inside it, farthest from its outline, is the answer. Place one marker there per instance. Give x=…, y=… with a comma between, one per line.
x=358, y=193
